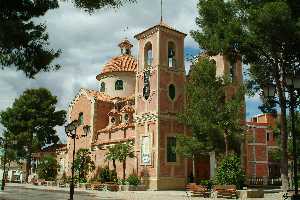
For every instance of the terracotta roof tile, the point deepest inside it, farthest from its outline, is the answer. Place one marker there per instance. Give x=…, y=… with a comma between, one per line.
x=122, y=63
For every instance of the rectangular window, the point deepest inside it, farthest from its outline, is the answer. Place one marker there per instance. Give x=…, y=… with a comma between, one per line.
x=171, y=149
x=268, y=136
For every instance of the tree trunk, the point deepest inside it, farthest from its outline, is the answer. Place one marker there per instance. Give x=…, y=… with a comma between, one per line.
x=28, y=167
x=194, y=171
x=226, y=142
x=114, y=165
x=284, y=138
x=124, y=169
x=279, y=76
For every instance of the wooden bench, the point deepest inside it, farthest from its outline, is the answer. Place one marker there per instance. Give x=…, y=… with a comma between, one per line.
x=197, y=190
x=225, y=191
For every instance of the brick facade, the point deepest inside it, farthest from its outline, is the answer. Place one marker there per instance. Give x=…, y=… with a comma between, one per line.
x=260, y=141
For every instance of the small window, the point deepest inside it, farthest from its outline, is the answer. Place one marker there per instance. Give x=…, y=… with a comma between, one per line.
x=113, y=120
x=171, y=54
x=119, y=85
x=80, y=118
x=171, y=149
x=102, y=87
x=232, y=71
x=126, y=117
x=172, y=91
x=148, y=54
x=268, y=136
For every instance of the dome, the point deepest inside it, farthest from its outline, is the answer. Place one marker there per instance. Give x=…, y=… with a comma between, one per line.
x=122, y=63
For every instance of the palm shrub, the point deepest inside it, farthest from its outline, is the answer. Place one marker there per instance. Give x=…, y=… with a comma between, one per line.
x=230, y=172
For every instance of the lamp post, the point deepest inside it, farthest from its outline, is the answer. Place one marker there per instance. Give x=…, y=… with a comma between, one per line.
x=293, y=85
x=71, y=131
x=4, y=141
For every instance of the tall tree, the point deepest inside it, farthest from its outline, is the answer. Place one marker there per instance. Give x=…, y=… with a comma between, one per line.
x=31, y=121
x=207, y=113
x=83, y=164
x=24, y=42
x=266, y=34
x=125, y=150
x=189, y=147
x=112, y=154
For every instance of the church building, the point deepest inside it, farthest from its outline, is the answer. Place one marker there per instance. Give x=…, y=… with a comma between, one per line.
x=138, y=100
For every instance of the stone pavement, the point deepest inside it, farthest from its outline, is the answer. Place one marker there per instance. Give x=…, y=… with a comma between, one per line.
x=31, y=192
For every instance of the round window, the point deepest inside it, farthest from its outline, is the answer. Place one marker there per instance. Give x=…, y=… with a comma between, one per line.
x=112, y=120
x=172, y=91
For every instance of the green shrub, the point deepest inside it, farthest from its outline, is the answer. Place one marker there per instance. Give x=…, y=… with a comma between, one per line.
x=230, y=172
x=133, y=180
x=107, y=175
x=47, y=168
x=207, y=183
x=122, y=182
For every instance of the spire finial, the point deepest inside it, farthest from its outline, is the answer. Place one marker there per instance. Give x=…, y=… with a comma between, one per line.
x=161, y=11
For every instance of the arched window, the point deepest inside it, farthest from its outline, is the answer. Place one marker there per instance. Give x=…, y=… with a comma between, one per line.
x=171, y=54
x=148, y=54
x=80, y=118
x=119, y=85
x=172, y=91
x=102, y=87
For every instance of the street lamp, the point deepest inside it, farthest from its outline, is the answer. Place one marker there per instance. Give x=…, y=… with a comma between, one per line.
x=293, y=85
x=70, y=130
x=4, y=141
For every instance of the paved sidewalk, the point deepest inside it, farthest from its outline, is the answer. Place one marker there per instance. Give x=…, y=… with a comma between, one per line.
x=121, y=195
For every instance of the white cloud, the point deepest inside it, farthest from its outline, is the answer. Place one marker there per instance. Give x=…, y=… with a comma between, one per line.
x=88, y=41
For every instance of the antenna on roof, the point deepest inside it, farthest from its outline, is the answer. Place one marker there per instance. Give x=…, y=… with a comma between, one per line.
x=161, y=11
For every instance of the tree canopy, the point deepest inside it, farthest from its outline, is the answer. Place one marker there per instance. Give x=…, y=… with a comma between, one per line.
x=31, y=121
x=266, y=34
x=24, y=43
x=206, y=112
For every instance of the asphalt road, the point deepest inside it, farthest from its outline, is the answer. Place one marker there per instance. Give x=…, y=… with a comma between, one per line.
x=19, y=193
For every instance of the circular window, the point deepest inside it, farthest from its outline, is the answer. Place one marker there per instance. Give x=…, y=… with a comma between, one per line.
x=172, y=91
x=112, y=120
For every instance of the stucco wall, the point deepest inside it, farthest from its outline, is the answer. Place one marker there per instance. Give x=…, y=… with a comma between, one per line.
x=128, y=79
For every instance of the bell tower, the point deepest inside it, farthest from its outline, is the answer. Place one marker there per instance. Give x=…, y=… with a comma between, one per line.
x=160, y=95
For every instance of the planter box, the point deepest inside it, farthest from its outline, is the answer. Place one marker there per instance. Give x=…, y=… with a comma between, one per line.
x=132, y=188
x=251, y=193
